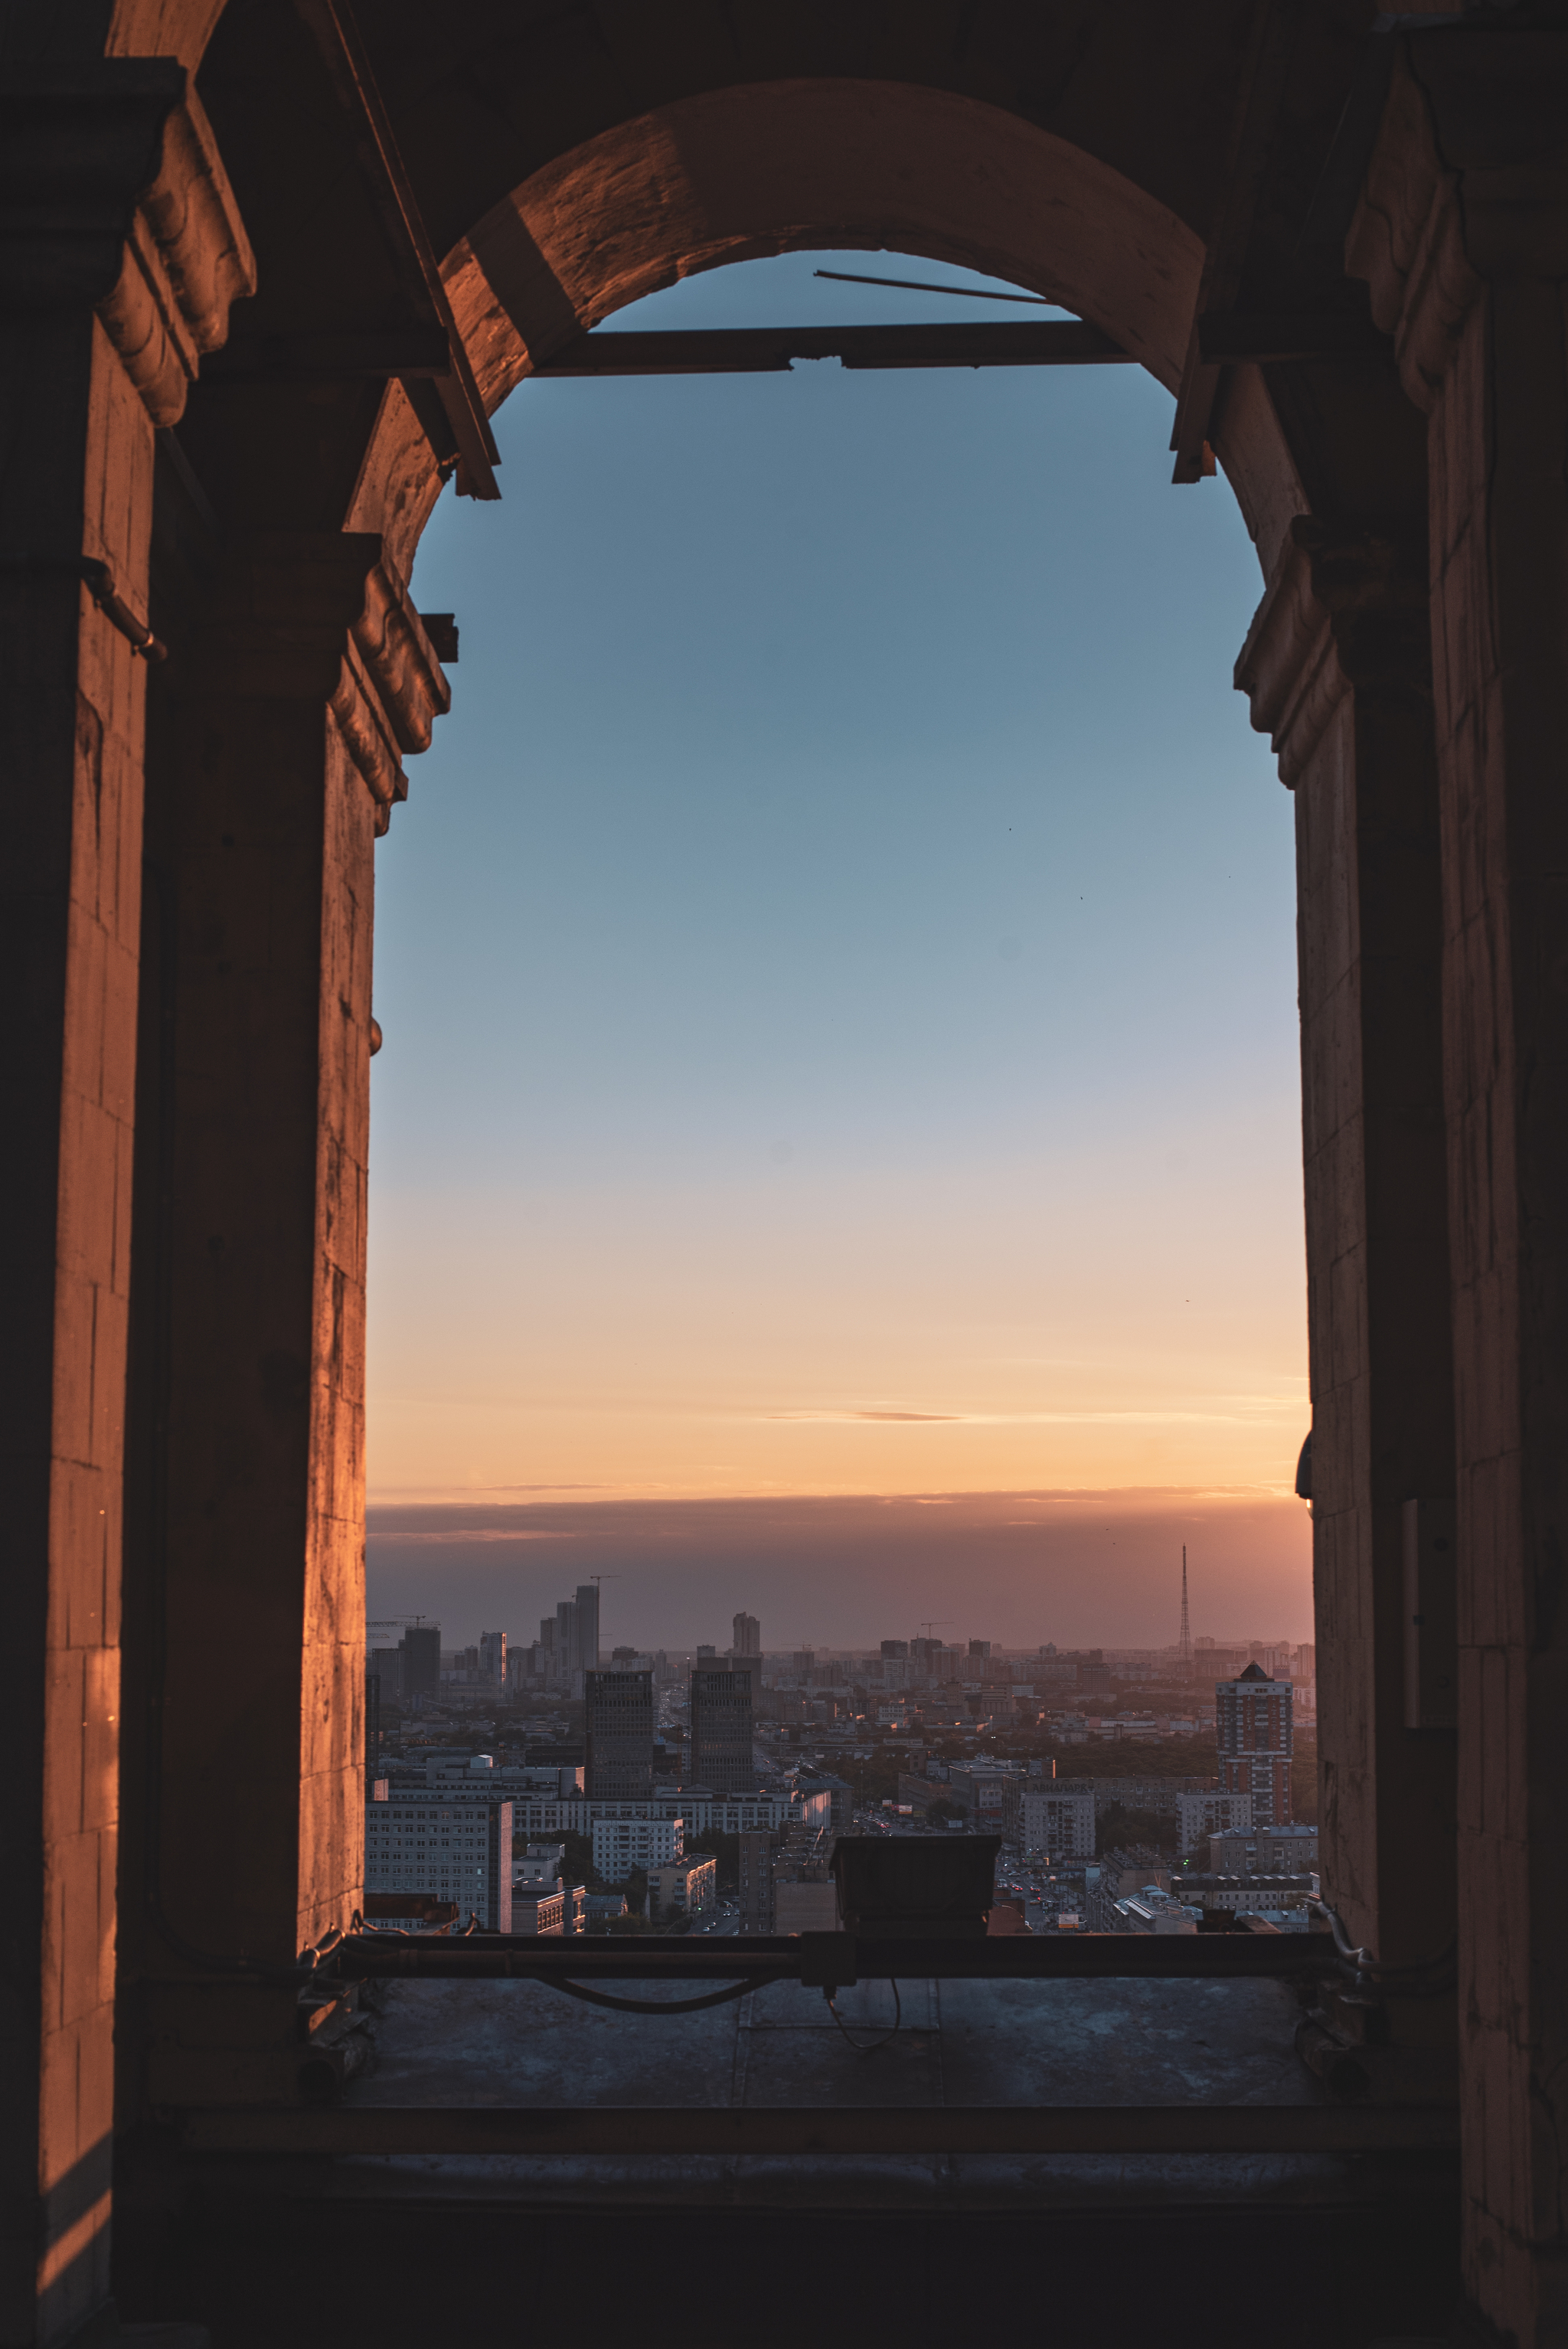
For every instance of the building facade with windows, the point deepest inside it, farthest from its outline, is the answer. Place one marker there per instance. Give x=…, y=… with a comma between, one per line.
x=1254, y=1730
x=446, y=1844
x=1058, y=1823
x=721, y=1729
x=758, y=1849
x=619, y=1710
x=687, y=1887
x=621, y=1845
x=1217, y=1810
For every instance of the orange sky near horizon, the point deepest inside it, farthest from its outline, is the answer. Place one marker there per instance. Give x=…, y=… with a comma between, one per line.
x=821, y=1330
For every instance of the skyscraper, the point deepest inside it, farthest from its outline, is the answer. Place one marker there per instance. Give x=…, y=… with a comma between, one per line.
x=620, y=1735
x=721, y=1754
x=748, y=1635
x=1256, y=1733
x=585, y=1633
x=492, y=1655
x=421, y=1647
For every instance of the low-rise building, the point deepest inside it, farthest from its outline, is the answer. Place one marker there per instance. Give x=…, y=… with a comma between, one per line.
x=540, y=1863
x=1152, y=1912
x=1252, y=1894
x=1121, y=1876
x=683, y=1888
x=1263, y=1851
x=539, y=1909
x=991, y=1796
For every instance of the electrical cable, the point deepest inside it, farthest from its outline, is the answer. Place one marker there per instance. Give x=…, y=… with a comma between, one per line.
x=872, y=2044
x=660, y=2005
x=1414, y=1977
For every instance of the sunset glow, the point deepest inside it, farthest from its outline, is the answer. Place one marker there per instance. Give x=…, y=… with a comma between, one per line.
x=844, y=1044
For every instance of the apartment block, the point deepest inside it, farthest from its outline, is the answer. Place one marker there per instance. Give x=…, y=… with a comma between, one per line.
x=1059, y=1823
x=1254, y=1730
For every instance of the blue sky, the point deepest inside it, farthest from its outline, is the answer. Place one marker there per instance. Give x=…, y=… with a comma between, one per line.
x=837, y=962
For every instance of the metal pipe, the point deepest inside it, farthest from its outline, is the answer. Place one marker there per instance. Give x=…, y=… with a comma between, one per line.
x=762, y=350
x=700, y=2132
x=838, y=1959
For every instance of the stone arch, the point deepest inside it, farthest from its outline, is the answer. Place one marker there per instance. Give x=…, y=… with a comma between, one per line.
x=790, y=166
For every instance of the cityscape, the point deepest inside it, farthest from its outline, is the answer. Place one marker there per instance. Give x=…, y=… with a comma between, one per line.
x=547, y=1786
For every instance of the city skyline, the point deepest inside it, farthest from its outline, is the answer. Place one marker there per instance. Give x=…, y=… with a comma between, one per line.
x=1087, y=1570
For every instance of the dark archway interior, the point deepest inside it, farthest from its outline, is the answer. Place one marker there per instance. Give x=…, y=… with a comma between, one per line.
x=274, y=266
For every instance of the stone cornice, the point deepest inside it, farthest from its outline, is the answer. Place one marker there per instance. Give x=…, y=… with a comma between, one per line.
x=324, y=617
x=1467, y=185
x=1346, y=609
x=112, y=195
x=187, y=259
x=1407, y=240
x=1287, y=666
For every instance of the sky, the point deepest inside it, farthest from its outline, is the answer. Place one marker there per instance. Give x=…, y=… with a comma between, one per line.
x=837, y=968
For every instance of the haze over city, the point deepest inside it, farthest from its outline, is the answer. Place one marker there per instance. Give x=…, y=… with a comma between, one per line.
x=838, y=1138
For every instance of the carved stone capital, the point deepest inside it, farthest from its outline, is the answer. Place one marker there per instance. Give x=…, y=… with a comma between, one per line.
x=1467, y=185
x=1346, y=608
x=323, y=617
x=112, y=195
x=390, y=638
x=186, y=260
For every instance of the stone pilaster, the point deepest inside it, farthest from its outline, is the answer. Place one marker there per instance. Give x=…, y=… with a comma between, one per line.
x=101, y=163
x=275, y=745
x=1337, y=671
x=1462, y=235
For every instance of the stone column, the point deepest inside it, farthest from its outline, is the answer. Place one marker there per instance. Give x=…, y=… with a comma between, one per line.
x=1338, y=668
x=1462, y=234
x=296, y=679
x=120, y=254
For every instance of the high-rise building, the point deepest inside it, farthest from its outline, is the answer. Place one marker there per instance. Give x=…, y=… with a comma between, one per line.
x=421, y=1673
x=492, y=1655
x=585, y=1658
x=802, y=1663
x=748, y=1639
x=979, y=1647
x=891, y=1648
x=620, y=1735
x=1254, y=1729
x=721, y=1742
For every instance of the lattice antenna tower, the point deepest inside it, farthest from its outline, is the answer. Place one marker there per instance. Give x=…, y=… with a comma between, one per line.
x=1184, y=1646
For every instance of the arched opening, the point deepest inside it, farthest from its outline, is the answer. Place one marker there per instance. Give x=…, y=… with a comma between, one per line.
x=560, y=187
x=826, y=856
